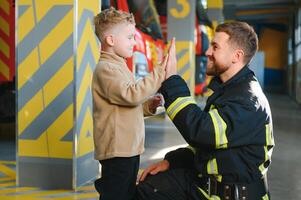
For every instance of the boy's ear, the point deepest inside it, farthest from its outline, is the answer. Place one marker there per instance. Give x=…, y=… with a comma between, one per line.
x=109, y=40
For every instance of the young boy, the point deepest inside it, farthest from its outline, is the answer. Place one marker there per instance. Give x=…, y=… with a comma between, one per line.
x=119, y=105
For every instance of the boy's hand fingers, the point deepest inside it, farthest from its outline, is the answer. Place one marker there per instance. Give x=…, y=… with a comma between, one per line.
x=164, y=61
x=171, y=44
x=172, y=60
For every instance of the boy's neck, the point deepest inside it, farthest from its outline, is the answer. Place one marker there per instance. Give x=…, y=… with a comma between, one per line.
x=112, y=54
x=108, y=49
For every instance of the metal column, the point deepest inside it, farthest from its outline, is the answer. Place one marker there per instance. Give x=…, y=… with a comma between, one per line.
x=215, y=11
x=181, y=24
x=297, y=60
x=56, y=54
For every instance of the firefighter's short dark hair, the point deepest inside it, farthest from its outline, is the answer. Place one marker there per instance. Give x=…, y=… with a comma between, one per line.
x=242, y=35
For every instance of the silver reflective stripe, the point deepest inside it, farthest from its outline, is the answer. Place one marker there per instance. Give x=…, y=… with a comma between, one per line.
x=178, y=105
x=220, y=129
x=269, y=134
x=212, y=167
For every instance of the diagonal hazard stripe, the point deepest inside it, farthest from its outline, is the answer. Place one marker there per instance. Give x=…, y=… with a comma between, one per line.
x=87, y=39
x=9, y=190
x=63, y=76
x=183, y=63
x=7, y=179
x=40, y=31
x=4, y=5
x=14, y=190
x=68, y=136
x=88, y=60
x=87, y=15
x=46, y=95
x=45, y=73
x=22, y=9
x=4, y=69
x=85, y=86
x=87, y=104
x=47, y=47
x=7, y=171
x=4, y=26
x=36, y=194
x=59, y=148
x=85, y=136
x=4, y=48
x=49, y=115
x=49, y=143
x=67, y=196
x=8, y=184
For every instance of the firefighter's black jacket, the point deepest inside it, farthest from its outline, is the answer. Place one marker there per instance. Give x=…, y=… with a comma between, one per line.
x=232, y=138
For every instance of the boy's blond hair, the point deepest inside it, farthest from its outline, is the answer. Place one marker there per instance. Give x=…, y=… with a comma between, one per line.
x=108, y=18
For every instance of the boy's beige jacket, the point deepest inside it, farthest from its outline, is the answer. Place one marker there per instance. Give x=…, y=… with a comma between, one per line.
x=119, y=108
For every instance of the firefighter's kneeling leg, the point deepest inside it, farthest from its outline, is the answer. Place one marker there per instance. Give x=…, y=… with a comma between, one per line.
x=175, y=184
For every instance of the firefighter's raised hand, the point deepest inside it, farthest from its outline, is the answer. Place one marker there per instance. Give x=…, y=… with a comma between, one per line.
x=163, y=63
x=154, y=102
x=154, y=169
x=171, y=66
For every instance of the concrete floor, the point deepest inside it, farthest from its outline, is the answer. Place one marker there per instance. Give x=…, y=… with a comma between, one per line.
x=161, y=137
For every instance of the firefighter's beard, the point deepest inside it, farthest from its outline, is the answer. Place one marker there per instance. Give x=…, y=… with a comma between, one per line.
x=215, y=69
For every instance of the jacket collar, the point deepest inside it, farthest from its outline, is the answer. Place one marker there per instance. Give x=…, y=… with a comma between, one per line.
x=216, y=82
x=112, y=58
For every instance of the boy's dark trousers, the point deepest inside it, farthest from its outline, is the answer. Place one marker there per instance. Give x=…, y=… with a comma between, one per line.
x=118, y=178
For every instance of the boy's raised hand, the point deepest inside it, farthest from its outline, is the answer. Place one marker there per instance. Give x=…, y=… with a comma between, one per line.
x=171, y=65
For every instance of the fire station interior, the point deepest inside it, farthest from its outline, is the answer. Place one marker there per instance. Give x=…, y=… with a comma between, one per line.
x=48, y=51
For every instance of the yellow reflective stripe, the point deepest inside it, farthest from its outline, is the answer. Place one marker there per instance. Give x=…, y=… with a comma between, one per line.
x=220, y=127
x=262, y=169
x=269, y=135
x=269, y=142
x=219, y=178
x=178, y=105
x=212, y=166
x=265, y=197
x=204, y=193
x=192, y=149
x=212, y=197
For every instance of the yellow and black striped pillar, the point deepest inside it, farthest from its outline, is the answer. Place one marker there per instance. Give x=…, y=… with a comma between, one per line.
x=181, y=24
x=215, y=11
x=56, y=54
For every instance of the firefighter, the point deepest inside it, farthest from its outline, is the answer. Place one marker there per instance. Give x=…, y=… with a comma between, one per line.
x=230, y=142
